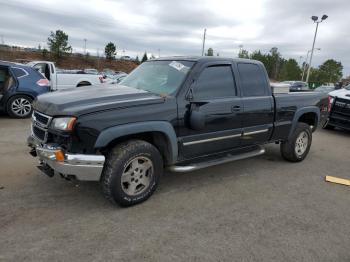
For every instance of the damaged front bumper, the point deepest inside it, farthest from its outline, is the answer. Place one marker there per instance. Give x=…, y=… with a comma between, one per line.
x=54, y=160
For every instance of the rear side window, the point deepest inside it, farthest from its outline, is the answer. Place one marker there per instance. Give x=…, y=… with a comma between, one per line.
x=19, y=72
x=215, y=82
x=252, y=79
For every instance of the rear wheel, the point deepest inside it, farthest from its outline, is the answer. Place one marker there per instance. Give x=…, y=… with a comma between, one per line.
x=298, y=146
x=20, y=106
x=131, y=173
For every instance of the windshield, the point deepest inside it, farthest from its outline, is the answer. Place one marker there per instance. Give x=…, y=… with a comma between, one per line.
x=348, y=87
x=160, y=77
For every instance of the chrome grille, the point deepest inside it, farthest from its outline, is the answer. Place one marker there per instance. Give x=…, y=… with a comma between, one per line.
x=41, y=118
x=39, y=133
x=40, y=123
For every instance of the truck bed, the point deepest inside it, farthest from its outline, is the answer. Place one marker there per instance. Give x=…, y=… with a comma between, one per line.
x=287, y=104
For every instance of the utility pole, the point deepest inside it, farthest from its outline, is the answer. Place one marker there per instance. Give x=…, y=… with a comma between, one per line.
x=2, y=39
x=240, y=50
x=315, y=19
x=98, y=58
x=85, y=45
x=305, y=66
x=158, y=52
x=204, y=35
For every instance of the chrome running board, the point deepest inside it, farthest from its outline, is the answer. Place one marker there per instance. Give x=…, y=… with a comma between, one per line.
x=213, y=162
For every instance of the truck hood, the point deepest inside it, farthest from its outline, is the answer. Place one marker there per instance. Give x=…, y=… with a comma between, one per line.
x=89, y=99
x=341, y=93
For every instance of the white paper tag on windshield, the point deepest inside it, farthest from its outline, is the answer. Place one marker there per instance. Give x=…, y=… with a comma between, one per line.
x=177, y=65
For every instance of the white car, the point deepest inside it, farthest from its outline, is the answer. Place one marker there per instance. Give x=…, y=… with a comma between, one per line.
x=343, y=93
x=60, y=79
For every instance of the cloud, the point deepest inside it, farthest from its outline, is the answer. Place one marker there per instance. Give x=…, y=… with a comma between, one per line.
x=176, y=27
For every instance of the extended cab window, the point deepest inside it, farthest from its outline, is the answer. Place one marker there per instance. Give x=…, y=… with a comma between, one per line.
x=215, y=82
x=253, y=80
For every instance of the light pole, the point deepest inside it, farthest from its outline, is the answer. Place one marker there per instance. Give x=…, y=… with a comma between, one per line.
x=305, y=63
x=315, y=19
x=85, y=45
x=204, y=35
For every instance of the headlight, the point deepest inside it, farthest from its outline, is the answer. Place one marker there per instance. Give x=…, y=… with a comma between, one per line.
x=63, y=123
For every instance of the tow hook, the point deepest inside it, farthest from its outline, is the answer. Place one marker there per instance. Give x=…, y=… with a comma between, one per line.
x=33, y=152
x=46, y=170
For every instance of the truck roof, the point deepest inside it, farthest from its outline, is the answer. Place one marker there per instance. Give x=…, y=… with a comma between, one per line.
x=204, y=59
x=7, y=63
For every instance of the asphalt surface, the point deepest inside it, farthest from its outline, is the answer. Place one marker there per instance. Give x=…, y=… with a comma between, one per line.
x=261, y=209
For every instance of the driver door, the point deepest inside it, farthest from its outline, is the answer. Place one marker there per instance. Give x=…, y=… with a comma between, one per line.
x=212, y=121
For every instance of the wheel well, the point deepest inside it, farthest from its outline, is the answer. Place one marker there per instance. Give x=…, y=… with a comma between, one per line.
x=157, y=139
x=309, y=118
x=84, y=83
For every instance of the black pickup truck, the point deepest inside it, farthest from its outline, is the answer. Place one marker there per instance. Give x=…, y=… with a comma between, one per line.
x=179, y=113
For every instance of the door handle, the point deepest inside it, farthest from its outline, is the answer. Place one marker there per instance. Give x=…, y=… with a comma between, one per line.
x=235, y=108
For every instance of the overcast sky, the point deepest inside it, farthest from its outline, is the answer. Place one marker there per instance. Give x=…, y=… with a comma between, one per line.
x=176, y=27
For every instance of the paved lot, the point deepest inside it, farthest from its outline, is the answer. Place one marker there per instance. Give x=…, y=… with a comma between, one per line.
x=261, y=209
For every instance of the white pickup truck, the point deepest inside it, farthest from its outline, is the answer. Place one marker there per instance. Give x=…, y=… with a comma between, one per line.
x=60, y=79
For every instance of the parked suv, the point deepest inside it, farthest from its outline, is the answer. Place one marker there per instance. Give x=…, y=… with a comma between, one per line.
x=19, y=86
x=182, y=114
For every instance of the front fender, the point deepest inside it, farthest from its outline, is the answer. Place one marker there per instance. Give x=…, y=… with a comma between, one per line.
x=112, y=133
x=300, y=112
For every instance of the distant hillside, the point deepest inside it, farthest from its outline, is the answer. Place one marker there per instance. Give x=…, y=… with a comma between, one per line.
x=73, y=61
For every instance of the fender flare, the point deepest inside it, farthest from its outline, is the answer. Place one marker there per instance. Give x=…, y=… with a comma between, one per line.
x=300, y=112
x=112, y=133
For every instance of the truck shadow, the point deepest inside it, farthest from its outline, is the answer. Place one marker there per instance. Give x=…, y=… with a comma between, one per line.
x=338, y=131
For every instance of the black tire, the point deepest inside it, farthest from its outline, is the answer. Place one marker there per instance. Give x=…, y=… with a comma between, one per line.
x=290, y=147
x=14, y=103
x=118, y=160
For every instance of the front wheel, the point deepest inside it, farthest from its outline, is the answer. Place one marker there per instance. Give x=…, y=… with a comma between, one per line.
x=298, y=146
x=131, y=173
x=20, y=106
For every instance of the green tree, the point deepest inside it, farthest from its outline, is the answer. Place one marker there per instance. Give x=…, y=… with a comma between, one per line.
x=315, y=75
x=110, y=51
x=144, y=58
x=137, y=60
x=45, y=53
x=331, y=71
x=210, y=52
x=274, y=63
x=58, y=43
x=290, y=70
x=243, y=54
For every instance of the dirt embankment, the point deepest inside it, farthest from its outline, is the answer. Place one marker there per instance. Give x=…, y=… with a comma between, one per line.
x=73, y=61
